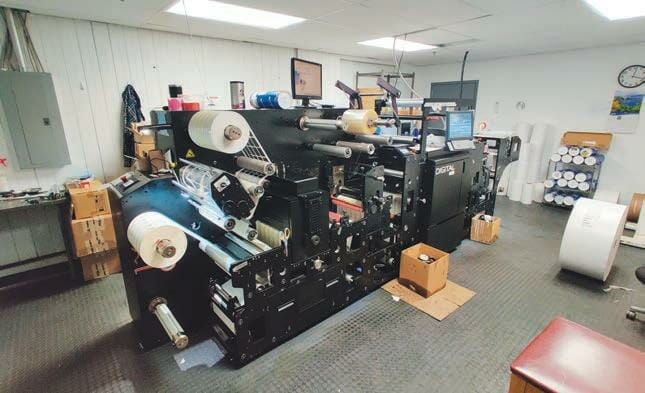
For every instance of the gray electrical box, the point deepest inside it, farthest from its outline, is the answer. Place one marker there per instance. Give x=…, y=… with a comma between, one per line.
x=30, y=116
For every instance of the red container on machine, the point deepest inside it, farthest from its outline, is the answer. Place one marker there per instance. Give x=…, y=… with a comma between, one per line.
x=190, y=105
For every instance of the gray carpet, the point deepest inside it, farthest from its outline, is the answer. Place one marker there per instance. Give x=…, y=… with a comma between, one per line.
x=57, y=338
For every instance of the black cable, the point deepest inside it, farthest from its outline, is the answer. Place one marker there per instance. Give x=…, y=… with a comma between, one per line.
x=461, y=81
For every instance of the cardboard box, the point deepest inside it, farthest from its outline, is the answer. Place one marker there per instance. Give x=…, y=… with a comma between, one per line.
x=93, y=235
x=485, y=231
x=142, y=149
x=100, y=265
x=439, y=305
x=423, y=278
x=599, y=140
x=89, y=201
x=142, y=136
x=157, y=160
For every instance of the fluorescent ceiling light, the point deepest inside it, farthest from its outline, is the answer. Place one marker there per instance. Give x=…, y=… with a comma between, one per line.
x=401, y=44
x=214, y=10
x=618, y=9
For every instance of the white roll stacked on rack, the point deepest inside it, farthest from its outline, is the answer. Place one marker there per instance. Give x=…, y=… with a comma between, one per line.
x=567, y=158
x=592, y=237
x=562, y=150
x=159, y=241
x=569, y=175
x=555, y=157
x=224, y=131
x=578, y=160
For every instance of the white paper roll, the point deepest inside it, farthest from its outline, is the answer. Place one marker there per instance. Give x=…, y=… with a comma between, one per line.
x=556, y=175
x=574, y=151
x=587, y=152
x=538, y=192
x=559, y=199
x=579, y=160
x=223, y=131
x=582, y=176
x=585, y=186
x=535, y=163
x=515, y=190
x=524, y=130
x=527, y=194
x=159, y=241
x=549, y=197
x=591, y=237
x=567, y=158
x=556, y=157
x=520, y=172
x=549, y=183
x=569, y=175
x=570, y=200
x=572, y=183
x=562, y=150
x=607, y=196
x=562, y=182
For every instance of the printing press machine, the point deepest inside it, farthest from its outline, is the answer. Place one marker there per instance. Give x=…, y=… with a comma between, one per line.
x=308, y=216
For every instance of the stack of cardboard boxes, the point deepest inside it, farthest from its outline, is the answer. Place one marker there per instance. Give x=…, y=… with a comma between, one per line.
x=149, y=158
x=93, y=229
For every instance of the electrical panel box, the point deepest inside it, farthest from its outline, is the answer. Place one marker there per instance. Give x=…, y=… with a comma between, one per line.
x=29, y=114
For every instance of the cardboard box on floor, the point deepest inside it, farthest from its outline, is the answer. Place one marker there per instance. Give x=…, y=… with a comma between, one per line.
x=424, y=278
x=100, y=265
x=88, y=201
x=425, y=286
x=93, y=235
x=483, y=231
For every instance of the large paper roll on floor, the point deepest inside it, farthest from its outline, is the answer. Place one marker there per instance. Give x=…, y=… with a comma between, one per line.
x=607, y=196
x=223, y=131
x=538, y=192
x=515, y=190
x=592, y=237
x=524, y=130
x=635, y=207
x=527, y=194
x=159, y=241
x=359, y=121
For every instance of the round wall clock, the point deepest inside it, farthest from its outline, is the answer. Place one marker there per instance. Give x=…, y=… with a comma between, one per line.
x=632, y=76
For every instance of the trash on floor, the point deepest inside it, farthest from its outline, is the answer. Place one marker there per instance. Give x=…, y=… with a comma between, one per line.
x=207, y=353
x=439, y=305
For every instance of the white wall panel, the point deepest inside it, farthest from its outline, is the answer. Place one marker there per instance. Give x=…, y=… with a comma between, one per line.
x=92, y=62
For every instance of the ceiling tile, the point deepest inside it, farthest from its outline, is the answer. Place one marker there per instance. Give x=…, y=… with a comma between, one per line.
x=360, y=18
x=426, y=12
x=437, y=36
x=310, y=9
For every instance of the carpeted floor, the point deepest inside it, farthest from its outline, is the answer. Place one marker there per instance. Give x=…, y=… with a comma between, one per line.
x=60, y=338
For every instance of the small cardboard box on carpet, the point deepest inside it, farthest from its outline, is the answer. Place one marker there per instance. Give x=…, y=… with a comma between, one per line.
x=423, y=282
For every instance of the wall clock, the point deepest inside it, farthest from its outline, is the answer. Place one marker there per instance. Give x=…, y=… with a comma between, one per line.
x=632, y=76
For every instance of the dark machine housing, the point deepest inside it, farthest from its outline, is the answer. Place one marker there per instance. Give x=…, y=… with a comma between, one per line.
x=348, y=218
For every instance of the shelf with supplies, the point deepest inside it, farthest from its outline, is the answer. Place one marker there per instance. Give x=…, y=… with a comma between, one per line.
x=574, y=169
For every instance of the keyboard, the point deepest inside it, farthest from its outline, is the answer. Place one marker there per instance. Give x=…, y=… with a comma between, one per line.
x=461, y=144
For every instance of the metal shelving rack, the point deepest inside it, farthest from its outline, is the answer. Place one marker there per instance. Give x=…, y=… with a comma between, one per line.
x=388, y=76
x=570, y=166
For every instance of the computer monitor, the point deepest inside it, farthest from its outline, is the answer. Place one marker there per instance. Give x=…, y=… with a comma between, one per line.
x=459, y=125
x=306, y=80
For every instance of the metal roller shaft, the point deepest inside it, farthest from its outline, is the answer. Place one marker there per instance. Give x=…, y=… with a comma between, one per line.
x=393, y=173
x=169, y=323
x=252, y=164
x=335, y=151
x=329, y=124
x=375, y=139
x=219, y=256
x=358, y=146
x=404, y=139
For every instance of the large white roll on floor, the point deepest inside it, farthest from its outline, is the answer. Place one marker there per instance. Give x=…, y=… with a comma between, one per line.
x=159, y=241
x=515, y=190
x=607, y=196
x=223, y=131
x=538, y=192
x=523, y=130
x=527, y=194
x=592, y=237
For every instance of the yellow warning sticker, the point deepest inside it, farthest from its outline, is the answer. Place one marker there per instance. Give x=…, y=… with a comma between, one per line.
x=190, y=153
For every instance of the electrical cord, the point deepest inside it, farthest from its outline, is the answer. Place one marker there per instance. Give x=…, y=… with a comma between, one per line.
x=461, y=80
x=397, y=67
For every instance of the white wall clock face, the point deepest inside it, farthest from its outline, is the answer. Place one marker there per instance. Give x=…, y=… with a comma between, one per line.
x=632, y=76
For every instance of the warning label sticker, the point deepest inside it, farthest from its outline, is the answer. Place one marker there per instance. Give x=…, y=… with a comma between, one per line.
x=190, y=153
